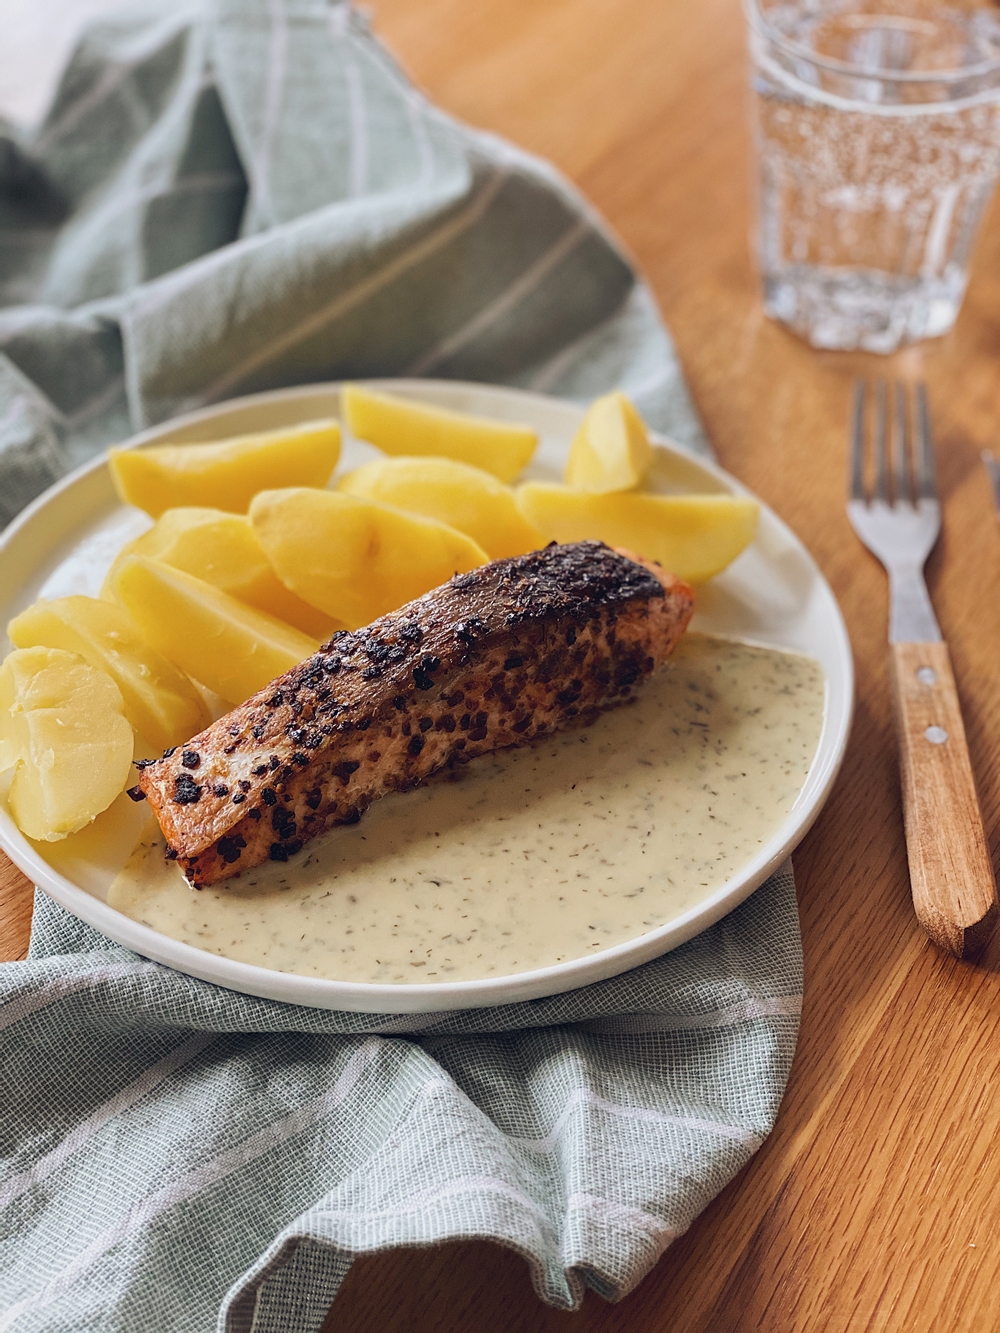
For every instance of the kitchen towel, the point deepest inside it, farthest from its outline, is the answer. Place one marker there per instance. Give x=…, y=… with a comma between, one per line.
x=232, y=197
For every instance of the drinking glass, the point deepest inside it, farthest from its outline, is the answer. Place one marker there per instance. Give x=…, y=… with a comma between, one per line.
x=878, y=139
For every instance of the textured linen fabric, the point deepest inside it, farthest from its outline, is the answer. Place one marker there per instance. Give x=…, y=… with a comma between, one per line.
x=235, y=198
x=241, y=196
x=180, y=1154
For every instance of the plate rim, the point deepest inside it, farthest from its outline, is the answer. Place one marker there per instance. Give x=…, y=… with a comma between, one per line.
x=438, y=997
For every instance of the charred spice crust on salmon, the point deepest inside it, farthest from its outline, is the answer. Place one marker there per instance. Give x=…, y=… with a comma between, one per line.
x=494, y=658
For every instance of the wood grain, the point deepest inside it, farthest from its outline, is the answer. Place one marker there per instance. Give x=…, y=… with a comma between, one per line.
x=951, y=874
x=15, y=911
x=874, y=1204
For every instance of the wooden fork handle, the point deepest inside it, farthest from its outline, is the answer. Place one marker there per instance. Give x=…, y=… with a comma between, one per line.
x=951, y=874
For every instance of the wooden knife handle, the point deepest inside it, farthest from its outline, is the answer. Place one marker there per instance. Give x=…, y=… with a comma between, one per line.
x=951, y=874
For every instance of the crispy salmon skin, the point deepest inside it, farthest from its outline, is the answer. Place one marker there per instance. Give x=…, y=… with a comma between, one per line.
x=493, y=658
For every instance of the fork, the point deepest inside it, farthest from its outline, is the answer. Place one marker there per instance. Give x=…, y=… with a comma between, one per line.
x=951, y=874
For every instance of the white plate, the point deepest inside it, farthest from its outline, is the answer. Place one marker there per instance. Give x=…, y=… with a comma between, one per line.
x=772, y=595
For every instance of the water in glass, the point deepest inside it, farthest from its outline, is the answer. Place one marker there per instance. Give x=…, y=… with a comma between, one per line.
x=878, y=126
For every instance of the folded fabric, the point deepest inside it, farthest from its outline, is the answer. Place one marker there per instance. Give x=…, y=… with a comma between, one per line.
x=233, y=197
x=183, y=1154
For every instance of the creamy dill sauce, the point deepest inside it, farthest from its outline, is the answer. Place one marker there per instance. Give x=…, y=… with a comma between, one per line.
x=531, y=856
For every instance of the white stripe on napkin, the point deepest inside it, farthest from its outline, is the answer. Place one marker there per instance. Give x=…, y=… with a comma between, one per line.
x=108, y=83
x=357, y=111
x=586, y=1097
x=274, y=94
x=550, y=371
x=745, y=1011
x=610, y=1212
x=435, y=1194
x=414, y=105
x=142, y=1214
x=122, y=1101
x=359, y=293
x=624, y=1216
x=58, y=988
x=529, y=280
x=357, y=170
x=94, y=406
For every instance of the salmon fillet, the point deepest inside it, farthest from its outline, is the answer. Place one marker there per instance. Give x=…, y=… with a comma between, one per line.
x=493, y=658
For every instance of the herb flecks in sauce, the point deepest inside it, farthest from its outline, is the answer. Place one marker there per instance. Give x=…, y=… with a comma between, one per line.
x=526, y=857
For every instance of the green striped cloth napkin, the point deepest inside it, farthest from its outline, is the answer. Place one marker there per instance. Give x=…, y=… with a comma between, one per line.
x=233, y=197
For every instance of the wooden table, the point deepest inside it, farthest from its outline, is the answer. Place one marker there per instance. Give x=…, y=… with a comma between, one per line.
x=874, y=1204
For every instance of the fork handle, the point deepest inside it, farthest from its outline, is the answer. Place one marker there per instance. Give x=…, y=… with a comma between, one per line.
x=951, y=874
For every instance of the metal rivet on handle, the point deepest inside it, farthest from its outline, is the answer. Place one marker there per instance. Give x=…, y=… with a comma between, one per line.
x=936, y=735
x=927, y=675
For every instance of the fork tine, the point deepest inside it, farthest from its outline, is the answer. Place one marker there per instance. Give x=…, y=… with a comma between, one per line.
x=901, y=490
x=881, y=452
x=924, y=448
x=858, y=442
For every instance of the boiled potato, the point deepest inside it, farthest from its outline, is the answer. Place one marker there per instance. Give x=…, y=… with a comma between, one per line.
x=693, y=536
x=232, y=648
x=223, y=549
x=401, y=426
x=161, y=703
x=611, y=450
x=354, y=558
x=226, y=474
x=64, y=732
x=466, y=498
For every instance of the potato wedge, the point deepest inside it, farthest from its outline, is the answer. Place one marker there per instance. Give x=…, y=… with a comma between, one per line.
x=464, y=497
x=64, y=732
x=611, y=450
x=354, y=558
x=162, y=704
x=225, y=474
x=223, y=549
x=693, y=536
x=232, y=648
x=402, y=427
